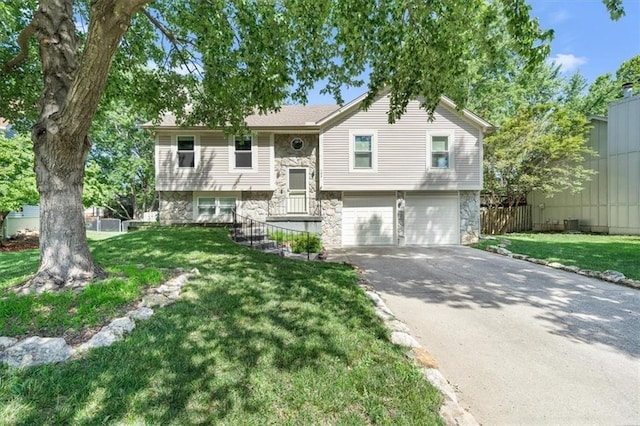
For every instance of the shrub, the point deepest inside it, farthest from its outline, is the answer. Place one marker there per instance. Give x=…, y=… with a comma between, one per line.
x=299, y=242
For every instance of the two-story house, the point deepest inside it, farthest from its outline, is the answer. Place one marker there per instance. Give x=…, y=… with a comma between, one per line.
x=343, y=172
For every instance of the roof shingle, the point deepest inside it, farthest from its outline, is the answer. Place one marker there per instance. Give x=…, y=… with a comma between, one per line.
x=288, y=116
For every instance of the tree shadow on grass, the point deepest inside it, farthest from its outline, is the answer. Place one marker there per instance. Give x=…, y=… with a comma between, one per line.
x=212, y=357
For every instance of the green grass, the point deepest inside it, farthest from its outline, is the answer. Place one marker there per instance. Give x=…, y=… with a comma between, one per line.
x=53, y=314
x=255, y=339
x=595, y=252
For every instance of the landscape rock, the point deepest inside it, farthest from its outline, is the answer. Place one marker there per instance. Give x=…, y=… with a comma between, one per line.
x=503, y=251
x=155, y=300
x=499, y=250
x=571, y=268
x=109, y=334
x=520, y=256
x=396, y=325
x=437, y=379
x=385, y=314
x=404, y=339
x=613, y=276
x=556, y=265
x=377, y=300
x=5, y=342
x=492, y=249
x=142, y=313
x=37, y=351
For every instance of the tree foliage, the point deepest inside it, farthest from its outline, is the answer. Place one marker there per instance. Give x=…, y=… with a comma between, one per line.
x=17, y=179
x=607, y=88
x=541, y=148
x=120, y=173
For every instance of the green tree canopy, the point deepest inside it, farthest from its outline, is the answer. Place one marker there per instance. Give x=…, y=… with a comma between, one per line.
x=541, y=148
x=17, y=179
x=607, y=88
x=120, y=174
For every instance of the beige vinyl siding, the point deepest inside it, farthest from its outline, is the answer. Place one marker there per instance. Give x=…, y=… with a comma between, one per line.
x=589, y=206
x=624, y=166
x=401, y=151
x=212, y=172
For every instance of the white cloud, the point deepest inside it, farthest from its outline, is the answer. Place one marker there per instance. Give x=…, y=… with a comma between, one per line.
x=559, y=16
x=568, y=62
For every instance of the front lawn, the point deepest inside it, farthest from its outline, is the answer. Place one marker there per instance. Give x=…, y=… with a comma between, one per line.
x=255, y=339
x=596, y=252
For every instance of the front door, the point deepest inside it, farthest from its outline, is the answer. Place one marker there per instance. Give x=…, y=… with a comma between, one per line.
x=297, y=201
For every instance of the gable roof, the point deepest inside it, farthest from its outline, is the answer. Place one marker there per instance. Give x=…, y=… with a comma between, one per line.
x=316, y=116
x=444, y=101
x=287, y=116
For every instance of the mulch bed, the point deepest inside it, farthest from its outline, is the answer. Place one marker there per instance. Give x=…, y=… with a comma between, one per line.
x=21, y=241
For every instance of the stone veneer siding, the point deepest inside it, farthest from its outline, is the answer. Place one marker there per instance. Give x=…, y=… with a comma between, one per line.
x=254, y=204
x=286, y=158
x=176, y=207
x=331, y=205
x=469, y=216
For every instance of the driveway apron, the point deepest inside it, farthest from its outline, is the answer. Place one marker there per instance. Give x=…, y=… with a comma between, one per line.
x=522, y=343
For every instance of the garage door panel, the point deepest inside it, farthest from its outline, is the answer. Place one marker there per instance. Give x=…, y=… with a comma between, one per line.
x=431, y=220
x=368, y=220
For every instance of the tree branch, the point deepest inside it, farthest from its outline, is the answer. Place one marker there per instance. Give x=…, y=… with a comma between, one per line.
x=160, y=26
x=23, y=44
x=175, y=41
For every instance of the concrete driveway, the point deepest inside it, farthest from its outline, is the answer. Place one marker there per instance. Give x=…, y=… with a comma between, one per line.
x=522, y=343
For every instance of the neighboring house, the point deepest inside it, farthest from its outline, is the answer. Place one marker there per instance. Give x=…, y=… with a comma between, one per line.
x=3, y=126
x=610, y=202
x=340, y=171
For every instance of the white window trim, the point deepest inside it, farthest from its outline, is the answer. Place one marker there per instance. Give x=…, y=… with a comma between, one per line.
x=374, y=150
x=196, y=151
x=217, y=196
x=450, y=137
x=254, y=155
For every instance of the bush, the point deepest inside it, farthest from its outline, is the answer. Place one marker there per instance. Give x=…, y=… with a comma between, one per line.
x=306, y=242
x=299, y=242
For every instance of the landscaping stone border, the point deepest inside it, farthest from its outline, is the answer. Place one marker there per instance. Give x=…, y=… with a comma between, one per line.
x=608, y=275
x=450, y=411
x=37, y=350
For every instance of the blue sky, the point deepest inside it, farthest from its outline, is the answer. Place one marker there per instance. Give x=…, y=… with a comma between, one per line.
x=586, y=39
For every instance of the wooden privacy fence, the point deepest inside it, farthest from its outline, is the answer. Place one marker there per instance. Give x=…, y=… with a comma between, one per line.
x=501, y=220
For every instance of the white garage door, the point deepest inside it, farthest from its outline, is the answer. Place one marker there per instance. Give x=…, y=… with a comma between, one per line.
x=432, y=219
x=368, y=220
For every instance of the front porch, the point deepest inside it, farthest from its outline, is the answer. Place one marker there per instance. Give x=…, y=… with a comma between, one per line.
x=296, y=213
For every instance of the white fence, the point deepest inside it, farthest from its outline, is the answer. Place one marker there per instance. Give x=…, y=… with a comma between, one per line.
x=27, y=218
x=103, y=225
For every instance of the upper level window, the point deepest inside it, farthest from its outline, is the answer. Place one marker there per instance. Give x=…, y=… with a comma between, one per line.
x=440, y=152
x=363, y=146
x=243, y=152
x=363, y=152
x=186, y=151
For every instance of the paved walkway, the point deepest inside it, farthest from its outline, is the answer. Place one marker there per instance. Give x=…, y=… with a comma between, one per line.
x=522, y=343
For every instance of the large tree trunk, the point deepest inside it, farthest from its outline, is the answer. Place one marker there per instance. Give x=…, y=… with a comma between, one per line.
x=64, y=253
x=73, y=87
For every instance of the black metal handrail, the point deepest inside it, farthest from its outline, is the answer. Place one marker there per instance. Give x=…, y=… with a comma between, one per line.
x=262, y=235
